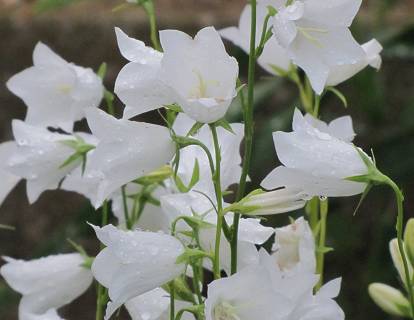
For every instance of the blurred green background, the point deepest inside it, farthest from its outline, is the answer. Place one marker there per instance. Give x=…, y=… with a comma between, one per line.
x=381, y=104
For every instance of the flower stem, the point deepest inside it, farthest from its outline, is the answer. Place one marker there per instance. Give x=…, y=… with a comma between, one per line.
x=172, y=301
x=400, y=226
x=320, y=256
x=219, y=198
x=248, y=133
x=150, y=10
x=102, y=294
x=125, y=206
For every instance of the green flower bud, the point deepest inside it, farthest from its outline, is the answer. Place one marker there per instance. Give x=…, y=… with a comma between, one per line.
x=409, y=240
x=390, y=300
x=398, y=262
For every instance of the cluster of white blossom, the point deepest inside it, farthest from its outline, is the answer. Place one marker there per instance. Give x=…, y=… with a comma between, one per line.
x=168, y=185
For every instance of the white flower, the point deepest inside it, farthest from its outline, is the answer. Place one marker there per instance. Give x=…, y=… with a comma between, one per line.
x=341, y=73
x=275, y=202
x=191, y=204
x=56, y=92
x=134, y=262
x=126, y=151
x=39, y=157
x=294, y=247
x=155, y=305
x=317, y=38
x=196, y=73
x=273, y=54
x=315, y=161
x=8, y=180
x=246, y=295
x=47, y=283
x=230, y=155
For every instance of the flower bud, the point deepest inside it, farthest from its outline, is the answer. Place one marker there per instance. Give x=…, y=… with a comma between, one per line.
x=409, y=239
x=274, y=202
x=398, y=262
x=390, y=300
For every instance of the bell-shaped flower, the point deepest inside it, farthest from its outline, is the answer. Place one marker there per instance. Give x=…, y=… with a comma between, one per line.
x=8, y=180
x=47, y=283
x=230, y=155
x=155, y=305
x=273, y=58
x=246, y=295
x=273, y=202
x=317, y=38
x=294, y=247
x=134, y=262
x=197, y=74
x=341, y=73
x=41, y=156
x=126, y=151
x=192, y=204
x=315, y=161
x=55, y=91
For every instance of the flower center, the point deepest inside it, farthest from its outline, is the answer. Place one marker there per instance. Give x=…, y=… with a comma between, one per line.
x=308, y=33
x=225, y=311
x=64, y=88
x=200, y=90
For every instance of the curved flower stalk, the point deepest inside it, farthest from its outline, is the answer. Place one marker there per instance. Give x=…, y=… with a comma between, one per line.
x=317, y=38
x=279, y=296
x=274, y=58
x=47, y=283
x=294, y=247
x=315, y=161
x=155, y=305
x=44, y=158
x=122, y=153
x=8, y=180
x=197, y=74
x=229, y=143
x=134, y=262
x=55, y=91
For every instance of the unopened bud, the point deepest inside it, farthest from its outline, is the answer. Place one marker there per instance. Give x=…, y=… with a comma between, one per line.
x=409, y=240
x=390, y=300
x=398, y=261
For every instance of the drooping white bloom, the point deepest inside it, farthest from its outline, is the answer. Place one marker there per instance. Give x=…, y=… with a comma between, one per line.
x=317, y=38
x=134, y=262
x=341, y=73
x=294, y=247
x=273, y=54
x=39, y=157
x=230, y=155
x=155, y=305
x=192, y=204
x=55, y=91
x=315, y=161
x=197, y=74
x=126, y=151
x=275, y=202
x=8, y=180
x=47, y=283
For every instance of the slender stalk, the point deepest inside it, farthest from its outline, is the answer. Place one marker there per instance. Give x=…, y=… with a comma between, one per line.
x=172, y=302
x=320, y=256
x=219, y=198
x=400, y=226
x=248, y=133
x=150, y=10
x=102, y=294
x=125, y=206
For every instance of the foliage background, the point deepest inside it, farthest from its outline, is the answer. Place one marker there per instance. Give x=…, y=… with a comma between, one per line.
x=382, y=105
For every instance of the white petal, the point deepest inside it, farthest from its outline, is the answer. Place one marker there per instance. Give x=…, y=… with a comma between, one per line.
x=250, y=230
x=149, y=306
x=342, y=128
x=135, y=50
x=373, y=49
x=310, y=184
x=8, y=180
x=28, y=315
x=44, y=56
x=142, y=88
x=331, y=289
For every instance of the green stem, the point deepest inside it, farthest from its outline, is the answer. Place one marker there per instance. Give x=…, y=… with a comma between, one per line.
x=248, y=133
x=102, y=293
x=219, y=197
x=312, y=209
x=320, y=257
x=150, y=10
x=196, y=282
x=400, y=229
x=125, y=206
x=172, y=302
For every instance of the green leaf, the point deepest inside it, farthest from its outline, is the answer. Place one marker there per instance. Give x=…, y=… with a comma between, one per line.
x=191, y=256
x=225, y=125
x=339, y=94
x=73, y=158
x=271, y=11
x=102, y=70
